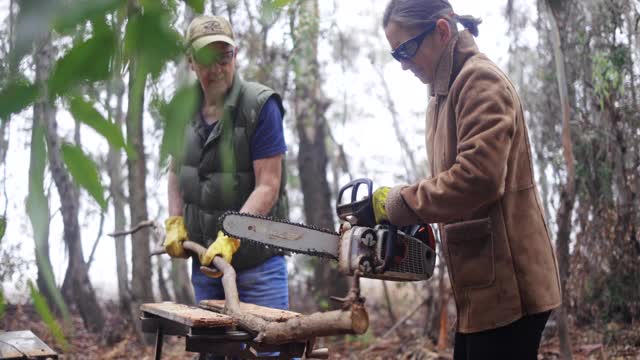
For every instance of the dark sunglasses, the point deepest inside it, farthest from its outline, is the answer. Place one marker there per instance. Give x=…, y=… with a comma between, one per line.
x=408, y=49
x=208, y=56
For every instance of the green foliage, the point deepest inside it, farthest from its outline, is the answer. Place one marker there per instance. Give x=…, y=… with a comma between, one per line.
x=37, y=205
x=85, y=112
x=16, y=96
x=32, y=22
x=38, y=211
x=43, y=310
x=79, y=11
x=84, y=172
x=151, y=40
x=176, y=115
x=324, y=304
x=279, y=3
x=87, y=61
x=607, y=73
x=36, y=18
x=196, y=5
x=3, y=305
x=270, y=9
x=3, y=227
x=363, y=340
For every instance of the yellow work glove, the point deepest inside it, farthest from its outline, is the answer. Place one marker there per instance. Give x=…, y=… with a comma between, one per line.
x=378, y=202
x=224, y=246
x=176, y=235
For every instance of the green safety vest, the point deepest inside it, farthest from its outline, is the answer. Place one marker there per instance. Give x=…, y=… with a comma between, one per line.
x=216, y=172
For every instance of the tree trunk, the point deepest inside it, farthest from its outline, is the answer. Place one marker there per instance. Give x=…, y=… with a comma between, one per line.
x=309, y=109
x=37, y=202
x=567, y=191
x=116, y=188
x=141, y=288
x=181, y=283
x=443, y=293
x=180, y=280
x=76, y=287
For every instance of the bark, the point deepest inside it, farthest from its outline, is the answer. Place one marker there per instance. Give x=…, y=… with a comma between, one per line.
x=141, y=288
x=181, y=283
x=179, y=267
x=162, y=282
x=116, y=188
x=77, y=286
x=567, y=191
x=39, y=214
x=444, y=292
x=309, y=110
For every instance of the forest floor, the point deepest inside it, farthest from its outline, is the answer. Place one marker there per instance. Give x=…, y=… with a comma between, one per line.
x=118, y=341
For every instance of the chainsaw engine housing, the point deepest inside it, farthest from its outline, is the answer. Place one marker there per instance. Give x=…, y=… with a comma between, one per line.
x=364, y=248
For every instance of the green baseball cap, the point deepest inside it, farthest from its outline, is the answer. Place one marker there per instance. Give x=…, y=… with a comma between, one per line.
x=207, y=29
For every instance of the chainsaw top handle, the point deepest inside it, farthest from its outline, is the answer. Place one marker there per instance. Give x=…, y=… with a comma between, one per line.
x=357, y=212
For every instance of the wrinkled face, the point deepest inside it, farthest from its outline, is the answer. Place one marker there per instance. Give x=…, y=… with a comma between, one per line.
x=430, y=47
x=214, y=66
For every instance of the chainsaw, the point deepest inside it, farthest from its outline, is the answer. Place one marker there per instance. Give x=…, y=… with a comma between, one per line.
x=377, y=251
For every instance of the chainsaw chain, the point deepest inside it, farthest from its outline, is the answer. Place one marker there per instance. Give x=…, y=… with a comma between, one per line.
x=310, y=252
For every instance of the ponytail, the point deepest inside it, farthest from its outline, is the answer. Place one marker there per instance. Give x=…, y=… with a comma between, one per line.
x=469, y=22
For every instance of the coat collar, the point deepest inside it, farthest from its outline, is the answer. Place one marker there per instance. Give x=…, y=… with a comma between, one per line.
x=459, y=50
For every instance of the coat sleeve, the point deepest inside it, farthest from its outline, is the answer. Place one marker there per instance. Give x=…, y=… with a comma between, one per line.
x=485, y=118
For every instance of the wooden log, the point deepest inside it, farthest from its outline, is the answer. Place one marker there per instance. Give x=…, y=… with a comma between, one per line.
x=266, y=313
x=353, y=320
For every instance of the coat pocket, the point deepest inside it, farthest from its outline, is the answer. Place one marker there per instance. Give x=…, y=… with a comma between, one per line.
x=471, y=253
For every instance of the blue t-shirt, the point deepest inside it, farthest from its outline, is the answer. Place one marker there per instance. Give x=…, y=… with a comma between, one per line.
x=268, y=138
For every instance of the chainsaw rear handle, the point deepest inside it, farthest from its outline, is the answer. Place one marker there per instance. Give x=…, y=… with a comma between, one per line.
x=357, y=212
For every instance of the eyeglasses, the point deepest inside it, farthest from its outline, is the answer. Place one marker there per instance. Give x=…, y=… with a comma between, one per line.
x=408, y=49
x=208, y=56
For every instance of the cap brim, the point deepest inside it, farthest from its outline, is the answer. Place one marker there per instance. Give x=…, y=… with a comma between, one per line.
x=199, y=43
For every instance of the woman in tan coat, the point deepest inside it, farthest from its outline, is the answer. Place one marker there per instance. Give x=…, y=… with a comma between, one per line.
x=501, y=263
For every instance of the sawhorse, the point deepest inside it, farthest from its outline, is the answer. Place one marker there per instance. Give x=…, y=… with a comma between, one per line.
x=206, y=330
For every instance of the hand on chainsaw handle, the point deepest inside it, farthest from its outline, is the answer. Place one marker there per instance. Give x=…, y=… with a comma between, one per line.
x=378, y=204
x=176, y=234
x=224, y=246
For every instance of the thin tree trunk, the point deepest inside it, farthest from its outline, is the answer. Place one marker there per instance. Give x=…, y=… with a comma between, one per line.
x=443, y=318
x=162, y=282
x=37, y=202
x=181, y=283
x=116, y=188
x=77, y=286
x=387, y=300
x=568, y=191
x=309, y=109
x=409, y=162
x=141, y=288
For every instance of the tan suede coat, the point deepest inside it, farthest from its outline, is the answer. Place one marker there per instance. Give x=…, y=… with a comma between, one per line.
x=501, y=262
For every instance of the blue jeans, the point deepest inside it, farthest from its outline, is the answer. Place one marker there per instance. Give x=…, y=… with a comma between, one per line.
x=266, y=284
